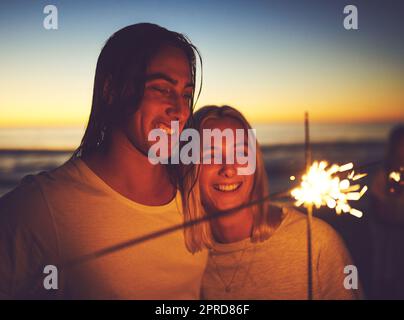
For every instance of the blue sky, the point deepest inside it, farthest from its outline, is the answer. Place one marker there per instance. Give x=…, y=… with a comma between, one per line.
x=271, y=59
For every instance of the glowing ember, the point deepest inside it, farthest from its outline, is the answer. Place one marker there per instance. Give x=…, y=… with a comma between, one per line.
x=320, y=186
x=396, y=176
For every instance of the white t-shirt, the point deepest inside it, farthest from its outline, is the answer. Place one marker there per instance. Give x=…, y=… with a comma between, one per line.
x=276, y=269
x=70, y=212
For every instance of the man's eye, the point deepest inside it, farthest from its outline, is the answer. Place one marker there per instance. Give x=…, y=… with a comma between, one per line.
x=165, y=91
x=187, y=96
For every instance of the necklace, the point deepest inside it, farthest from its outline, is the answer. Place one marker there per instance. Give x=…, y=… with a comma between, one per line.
x=227, y=286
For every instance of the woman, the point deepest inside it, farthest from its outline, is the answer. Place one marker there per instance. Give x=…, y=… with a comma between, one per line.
x=387, y=186
x=387, y=221
x=260, y=251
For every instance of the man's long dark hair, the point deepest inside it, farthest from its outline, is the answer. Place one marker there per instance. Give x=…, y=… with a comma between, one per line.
x=121, y=75
x=120, y=79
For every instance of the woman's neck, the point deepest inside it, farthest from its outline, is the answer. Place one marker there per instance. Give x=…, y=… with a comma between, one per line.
x=233, y=228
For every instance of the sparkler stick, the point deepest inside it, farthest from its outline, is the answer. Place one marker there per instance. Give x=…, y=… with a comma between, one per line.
x=135, y=241
x=162, y=232
x=309, y=211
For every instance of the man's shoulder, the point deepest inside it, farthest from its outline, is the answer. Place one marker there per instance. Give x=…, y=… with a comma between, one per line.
x=68, y=172
x=63, y=179
x=30, y=196
x=23, y=210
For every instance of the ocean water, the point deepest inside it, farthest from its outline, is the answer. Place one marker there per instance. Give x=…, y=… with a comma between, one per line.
x=31, y=150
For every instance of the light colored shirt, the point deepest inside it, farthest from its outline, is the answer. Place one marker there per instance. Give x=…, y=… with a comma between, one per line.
x=69, y=212
x=277, y=267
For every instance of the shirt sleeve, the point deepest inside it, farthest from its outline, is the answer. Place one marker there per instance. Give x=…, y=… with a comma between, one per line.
x=338, y=276
x=27, y=242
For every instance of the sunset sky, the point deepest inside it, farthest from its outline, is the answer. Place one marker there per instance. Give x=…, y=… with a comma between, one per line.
x=271, y=59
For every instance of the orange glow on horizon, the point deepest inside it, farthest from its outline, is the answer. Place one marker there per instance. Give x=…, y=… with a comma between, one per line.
x=254, y=115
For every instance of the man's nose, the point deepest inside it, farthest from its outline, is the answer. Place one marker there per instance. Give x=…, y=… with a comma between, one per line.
x=227, y=170
x=178, y=110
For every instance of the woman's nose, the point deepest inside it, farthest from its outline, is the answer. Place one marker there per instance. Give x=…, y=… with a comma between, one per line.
x=227, y=170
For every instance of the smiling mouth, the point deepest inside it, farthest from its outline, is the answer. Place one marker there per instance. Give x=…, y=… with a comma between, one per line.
x=228, y=187
x=167, y=129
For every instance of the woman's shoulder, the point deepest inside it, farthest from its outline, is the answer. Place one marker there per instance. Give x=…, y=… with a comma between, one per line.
x=296, y=221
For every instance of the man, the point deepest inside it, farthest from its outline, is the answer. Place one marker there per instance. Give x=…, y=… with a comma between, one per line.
x=109, y=192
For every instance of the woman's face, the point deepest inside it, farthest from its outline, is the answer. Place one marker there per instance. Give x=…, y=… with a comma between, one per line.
x=220, y=185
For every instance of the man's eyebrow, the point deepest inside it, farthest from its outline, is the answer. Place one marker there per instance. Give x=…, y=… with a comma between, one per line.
x=163, y=76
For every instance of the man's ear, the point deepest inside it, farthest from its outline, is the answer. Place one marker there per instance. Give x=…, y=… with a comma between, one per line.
x=107, y=92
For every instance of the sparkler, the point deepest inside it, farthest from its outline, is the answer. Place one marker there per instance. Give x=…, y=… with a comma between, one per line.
x=395, y=176
x=395, y=182
x=322, y=186
x=307, y=157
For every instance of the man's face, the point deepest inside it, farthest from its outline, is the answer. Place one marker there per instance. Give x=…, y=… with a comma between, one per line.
x=167, y=97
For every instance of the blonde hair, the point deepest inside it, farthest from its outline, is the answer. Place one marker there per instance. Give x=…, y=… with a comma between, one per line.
x=265, y=220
